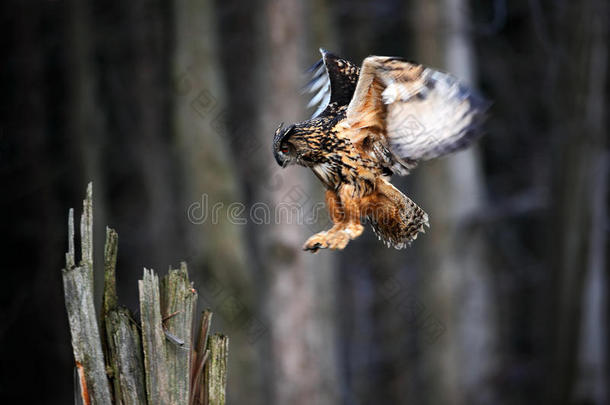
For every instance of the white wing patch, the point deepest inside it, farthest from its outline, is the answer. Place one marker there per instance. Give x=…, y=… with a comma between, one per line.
x=424, y=113
x=435, y=116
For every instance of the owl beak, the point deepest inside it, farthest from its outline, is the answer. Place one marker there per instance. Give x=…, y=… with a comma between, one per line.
x=282, y=160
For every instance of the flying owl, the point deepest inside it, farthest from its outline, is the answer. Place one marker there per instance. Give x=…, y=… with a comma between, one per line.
x=371, y=122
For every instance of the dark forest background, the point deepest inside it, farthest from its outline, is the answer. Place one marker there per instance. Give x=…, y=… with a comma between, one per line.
x=166, y=104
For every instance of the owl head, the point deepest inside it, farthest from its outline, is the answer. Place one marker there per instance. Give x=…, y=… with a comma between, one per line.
x=283, y=151
x=298, y=143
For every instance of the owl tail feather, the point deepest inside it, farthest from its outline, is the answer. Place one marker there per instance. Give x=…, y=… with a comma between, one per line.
x=395, y=218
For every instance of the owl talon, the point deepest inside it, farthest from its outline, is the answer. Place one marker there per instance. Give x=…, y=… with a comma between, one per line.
x=317, y=241
x=312, y=249
x=332, y=239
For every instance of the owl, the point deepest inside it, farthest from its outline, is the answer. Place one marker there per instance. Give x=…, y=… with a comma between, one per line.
x=372, y=122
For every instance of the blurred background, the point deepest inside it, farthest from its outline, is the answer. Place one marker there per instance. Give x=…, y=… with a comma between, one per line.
x=170, y=107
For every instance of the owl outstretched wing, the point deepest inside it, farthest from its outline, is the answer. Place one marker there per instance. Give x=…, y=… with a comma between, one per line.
x=334, y=82
x=415, y=112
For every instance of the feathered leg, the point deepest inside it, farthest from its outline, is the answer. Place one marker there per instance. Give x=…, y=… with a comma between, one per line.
x=344, y=210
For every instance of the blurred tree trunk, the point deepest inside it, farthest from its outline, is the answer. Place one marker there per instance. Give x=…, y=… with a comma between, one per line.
x=217, y=246
x=578, y=225
x=133, y=43
x=456, y=277
x=300, y=288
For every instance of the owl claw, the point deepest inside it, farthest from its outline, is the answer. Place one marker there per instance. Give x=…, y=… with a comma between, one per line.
x=312, y=249
x=317, y=241
x=335, y=238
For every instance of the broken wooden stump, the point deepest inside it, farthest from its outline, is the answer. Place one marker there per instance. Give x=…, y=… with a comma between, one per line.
x=154, y=360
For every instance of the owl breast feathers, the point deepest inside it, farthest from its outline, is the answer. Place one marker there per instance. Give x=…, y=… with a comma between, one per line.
x=372, y=122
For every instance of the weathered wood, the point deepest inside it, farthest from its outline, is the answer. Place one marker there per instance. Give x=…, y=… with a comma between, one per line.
x=153, y=339
x=70, y=259
x=199, y=356
x=178, y=299
x=86, y=229
x=216, y=370
x=78, y=295
x=123, y=343
x=109, y=304
x=110, y=256
x=126, y=352
x=155, y=363
x=78, y=399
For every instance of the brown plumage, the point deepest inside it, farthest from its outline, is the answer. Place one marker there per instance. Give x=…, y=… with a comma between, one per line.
x=373, y=122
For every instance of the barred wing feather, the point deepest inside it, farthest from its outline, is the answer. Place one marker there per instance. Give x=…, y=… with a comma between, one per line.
x=419, y=112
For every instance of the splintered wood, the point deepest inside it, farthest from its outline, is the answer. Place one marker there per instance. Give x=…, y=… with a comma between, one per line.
x=152, y=361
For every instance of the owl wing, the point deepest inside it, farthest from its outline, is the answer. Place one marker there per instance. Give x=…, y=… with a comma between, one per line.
x=412, y=111
x=333, y=82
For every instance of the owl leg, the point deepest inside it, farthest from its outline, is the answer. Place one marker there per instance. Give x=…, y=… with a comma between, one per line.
x=321, y=239
x=344, y=210
x=350, y=225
